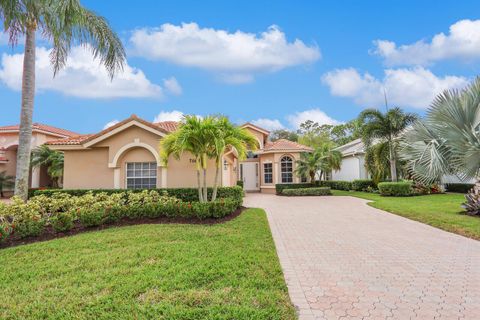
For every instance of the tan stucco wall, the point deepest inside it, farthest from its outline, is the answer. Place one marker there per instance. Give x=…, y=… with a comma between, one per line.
x=260, y=136
x=182, y=173
x=87, y=169
x=129, y=135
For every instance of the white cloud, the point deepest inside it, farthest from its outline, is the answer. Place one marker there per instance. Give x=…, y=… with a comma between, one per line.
x=269, y=124
x=173, y=115
x=315, y=115
x=415, y=87
x=110, y=123
x=83, y=77
x=172, y=86
x=234, y=56
x=462, y=42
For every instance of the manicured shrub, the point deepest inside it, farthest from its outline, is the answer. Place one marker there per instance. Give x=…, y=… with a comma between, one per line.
x=62, y=221
x=459, y=187
x=5, y=231
x=240, y=183
x=396, y=189
x=363, y=185
x=26, y=217
x=91, y=217
x=279, y=187
x=337, y=184
x=320, y=191
x=183, y=194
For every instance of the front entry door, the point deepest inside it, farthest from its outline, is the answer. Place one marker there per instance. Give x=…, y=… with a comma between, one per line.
x=250, y=176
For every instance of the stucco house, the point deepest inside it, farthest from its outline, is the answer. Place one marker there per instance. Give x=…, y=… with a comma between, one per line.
x=41, y=133
x=126, y=155
x=353, y=162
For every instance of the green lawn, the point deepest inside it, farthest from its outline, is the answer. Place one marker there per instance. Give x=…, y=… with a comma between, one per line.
x=439, y=210
x=169, y=271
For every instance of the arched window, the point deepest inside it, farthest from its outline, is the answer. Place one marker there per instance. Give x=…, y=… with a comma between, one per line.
x=286, y=169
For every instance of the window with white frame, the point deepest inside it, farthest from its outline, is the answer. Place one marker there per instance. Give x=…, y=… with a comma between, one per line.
x=286, y=169
x=268, y=173
x=141, y=175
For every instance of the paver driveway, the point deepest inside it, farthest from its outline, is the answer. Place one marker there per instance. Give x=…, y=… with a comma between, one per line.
x=343, y=259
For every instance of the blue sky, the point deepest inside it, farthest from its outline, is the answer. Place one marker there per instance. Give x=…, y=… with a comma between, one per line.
x=274, y=63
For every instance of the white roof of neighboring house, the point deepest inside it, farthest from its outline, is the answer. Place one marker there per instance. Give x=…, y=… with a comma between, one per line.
x=352, y=148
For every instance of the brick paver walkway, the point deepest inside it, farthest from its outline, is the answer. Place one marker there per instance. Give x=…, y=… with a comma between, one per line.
x=343, y=259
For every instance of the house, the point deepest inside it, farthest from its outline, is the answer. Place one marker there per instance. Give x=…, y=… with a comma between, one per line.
x=126, y=156
x=41, y=133
x=353, y=162
x=353, y=165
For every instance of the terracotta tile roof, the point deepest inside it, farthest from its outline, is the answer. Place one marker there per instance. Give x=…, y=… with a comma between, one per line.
x=3, y=159
x=284, y=144
x=76, y=140
x=42, y=127
x=168, y=126
x=165, y=126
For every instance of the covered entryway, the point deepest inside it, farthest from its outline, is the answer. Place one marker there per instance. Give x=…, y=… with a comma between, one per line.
x=249, y=174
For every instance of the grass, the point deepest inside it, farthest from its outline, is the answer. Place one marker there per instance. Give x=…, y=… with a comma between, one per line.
x=438, y=210
x=170, y=271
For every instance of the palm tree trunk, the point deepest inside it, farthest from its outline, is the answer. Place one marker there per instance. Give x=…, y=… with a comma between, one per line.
x=199, y=185
x=393, y=163
x=26, y=115
x=312, y=177
x=215, y=183
x=205, y=189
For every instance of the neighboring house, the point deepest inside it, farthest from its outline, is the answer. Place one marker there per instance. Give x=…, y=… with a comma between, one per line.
x=41, y=133
x=126, y=156
x=353, y=162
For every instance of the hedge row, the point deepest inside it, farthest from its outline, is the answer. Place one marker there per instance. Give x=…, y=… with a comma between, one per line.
x=62, y=211
x=396, y=189
x=459, y=187
x=318, y=191
x=183, y=194
x=363, y=185
x=279, y=187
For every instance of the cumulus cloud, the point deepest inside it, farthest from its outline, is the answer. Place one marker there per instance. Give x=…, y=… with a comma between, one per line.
x=415, y=87
x=83, y=77
x=315, y=115
x=173, y=115
x=269, y=124
x=462, y=42
x=236, y=57
x=110, y=123
x=172, y=86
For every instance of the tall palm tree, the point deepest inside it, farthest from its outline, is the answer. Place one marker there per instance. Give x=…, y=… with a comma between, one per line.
x=447, y=140
x=6, y=181
x=324, y=159
x=229, y=136
x=63, y=22
x=379, y=127
x=51, y=159
x=377, y=161
x=194, y=135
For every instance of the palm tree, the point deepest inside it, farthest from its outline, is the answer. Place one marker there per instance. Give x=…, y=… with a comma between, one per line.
x=377, y=161
x=6, y=181
x=447, y=140
x=229, y=136
x=51, y=159
x=379, y=127
x=194, y=135
x=323, y=159
x=63, y=22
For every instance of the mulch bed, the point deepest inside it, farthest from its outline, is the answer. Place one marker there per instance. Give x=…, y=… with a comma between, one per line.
x=50, y=233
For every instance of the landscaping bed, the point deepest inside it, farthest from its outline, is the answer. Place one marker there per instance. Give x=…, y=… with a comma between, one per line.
x=319, y=191
x=59, y=214
x=153, y=271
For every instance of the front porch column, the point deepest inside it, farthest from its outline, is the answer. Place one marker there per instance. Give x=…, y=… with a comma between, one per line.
x=116, y=178
x=36, y=177
x=277, y=174
x=163, y=171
